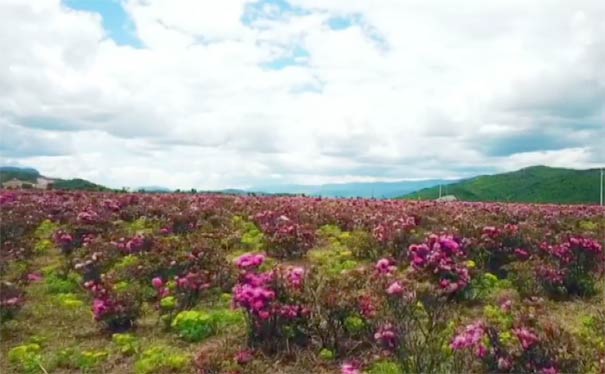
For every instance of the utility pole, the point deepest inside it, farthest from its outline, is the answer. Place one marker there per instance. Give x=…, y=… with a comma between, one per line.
x=440, y=191
x=601, y=186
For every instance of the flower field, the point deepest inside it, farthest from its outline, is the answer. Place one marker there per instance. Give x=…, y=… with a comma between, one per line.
x=181, y=283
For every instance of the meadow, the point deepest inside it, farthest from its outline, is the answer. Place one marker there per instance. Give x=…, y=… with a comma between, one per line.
x=95, y=282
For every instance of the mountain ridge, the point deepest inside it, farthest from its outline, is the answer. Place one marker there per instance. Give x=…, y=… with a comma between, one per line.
x=534, y=184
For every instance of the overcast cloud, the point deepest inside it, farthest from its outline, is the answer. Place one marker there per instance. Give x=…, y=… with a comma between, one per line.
x=237, y=93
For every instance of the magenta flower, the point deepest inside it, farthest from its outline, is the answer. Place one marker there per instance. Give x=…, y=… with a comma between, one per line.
x=244, y=356
x=33, y=277
x=350, y=368
x=385, y=266
x=395, y=289
x=527, y=338
x=157, y=282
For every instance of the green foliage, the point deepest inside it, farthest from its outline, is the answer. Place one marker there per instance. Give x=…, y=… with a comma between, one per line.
x=385, y=367
x=141, y=225
x=71, y=358
x=485, y=285
x=46, y=229
x=497, y=317
x=333, y=259
x=57, y=284
x=588, y=226
x=161, y=359
x=354, y=324
x=70, y=301
x=226, y=318
x=195, y=326
x=26, y=358
x=168, y=303
x=537, y=184
x=43, y=234
x=127, y=343
x=252, y=239
x=326, y=354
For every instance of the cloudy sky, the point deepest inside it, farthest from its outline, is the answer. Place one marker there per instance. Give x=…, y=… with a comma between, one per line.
x=236, y=93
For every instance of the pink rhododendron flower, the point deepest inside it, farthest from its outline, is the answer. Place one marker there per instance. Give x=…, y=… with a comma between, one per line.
x=33, y=277
x=350, y=368
x=395, y=289
x=157, y=282
x=527, y=338
x=385, y=266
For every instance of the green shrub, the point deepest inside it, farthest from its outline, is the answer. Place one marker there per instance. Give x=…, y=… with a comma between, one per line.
x=127, y=343
x=385, y=367
x=57, y=284
x=161, y=359
x=326, y=354
x=354, y=325
x=69, y=301
x=71, y=358
x=485, y=286
x=45, y=230
x=26, y=358
x=194, y=326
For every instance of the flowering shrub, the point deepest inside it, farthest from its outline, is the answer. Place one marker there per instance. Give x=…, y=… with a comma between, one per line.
x=285, y=237
x=512, y=339
x=116, y=305
x=571, y=265
x=442, y=259
x=11, y=300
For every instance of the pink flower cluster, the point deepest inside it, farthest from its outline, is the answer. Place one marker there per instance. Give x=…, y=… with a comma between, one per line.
x=193, y=281
x=385, y=267
x=551, y=275
x=569, y=250
x=397, y=289
x=295, y=276
x=350, y=368
x=388, y=230
x=367, y=306
x=160, y=287
x=387, y=336
x=102, y=304
x=442, y=255
x=471, y=338
x=527, y=338
x=88, y=216
x=250, y=261
x=253, y=292
x=135, y=244
x=63, y=240
x=244, y=356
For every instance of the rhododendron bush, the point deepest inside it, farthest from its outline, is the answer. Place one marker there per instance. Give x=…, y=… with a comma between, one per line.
x=349, y=285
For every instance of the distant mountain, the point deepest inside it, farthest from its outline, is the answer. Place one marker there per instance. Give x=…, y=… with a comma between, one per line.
x=154, y=189
x=383, y=190
x=536, y=184
x=31, y=175
x=12, y=172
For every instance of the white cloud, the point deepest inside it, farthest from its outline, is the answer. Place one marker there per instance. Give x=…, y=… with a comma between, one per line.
x=412, y=89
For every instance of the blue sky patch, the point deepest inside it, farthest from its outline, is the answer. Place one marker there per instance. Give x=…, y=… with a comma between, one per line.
x=116, y=21
x=298, y=56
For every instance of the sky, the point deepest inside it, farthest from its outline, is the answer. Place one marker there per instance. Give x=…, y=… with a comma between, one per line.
x=238, y=93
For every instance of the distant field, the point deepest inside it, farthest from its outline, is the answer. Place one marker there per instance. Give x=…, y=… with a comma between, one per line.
x=97, y=282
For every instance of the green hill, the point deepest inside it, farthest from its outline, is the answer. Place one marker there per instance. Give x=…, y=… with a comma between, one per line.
x=77, y=184
x=25, y=174
x=30, y=175
x=536, y=184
